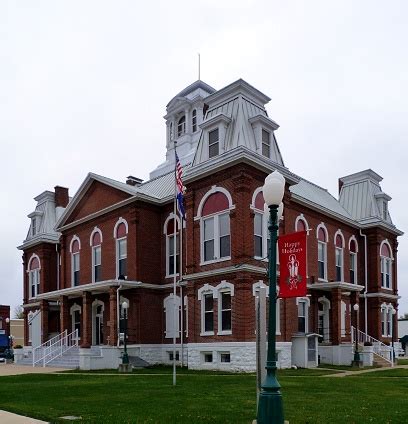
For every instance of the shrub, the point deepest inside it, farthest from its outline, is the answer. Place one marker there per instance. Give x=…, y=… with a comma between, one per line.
x=17, y=346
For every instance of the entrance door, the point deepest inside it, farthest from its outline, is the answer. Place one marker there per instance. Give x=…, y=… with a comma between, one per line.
x=98, y=325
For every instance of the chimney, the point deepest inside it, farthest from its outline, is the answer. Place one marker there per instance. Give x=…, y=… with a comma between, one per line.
x=134, y=181
x=61, y=197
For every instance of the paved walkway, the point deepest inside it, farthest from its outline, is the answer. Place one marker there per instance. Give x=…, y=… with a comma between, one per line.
x=9, y=418
x=12, y=369
x=347, y=373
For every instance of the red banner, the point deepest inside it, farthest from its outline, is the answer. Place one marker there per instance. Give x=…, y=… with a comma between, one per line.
x=292, y=264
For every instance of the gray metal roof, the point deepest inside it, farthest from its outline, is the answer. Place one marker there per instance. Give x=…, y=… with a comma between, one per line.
x=159, y=188
x=318, y=196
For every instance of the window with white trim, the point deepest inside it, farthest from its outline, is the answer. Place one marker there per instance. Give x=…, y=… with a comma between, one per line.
x=181, y=126
x=96, y=240
x=343, y=319
x=322, y=254
x=208, y=313
x=75, y=261
x=266, y=143
x=33, y=226
x=353, y=262
x=121, y=231
x=170, y=303
x=213, y=143
x=386, y=266
x=34, y=276
x=172, y=254
x=255, y=292
x=215, y=228
x=303, y=312
x=261, y=233
x=386, y=320
x=224, y=312
x=339, y=255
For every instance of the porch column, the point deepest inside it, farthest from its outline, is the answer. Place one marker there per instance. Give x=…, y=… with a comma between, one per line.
x=336, y=316
x=64, y=314
x=44, y=320
x=26, y=328
x=86, y=323
x=113, y=316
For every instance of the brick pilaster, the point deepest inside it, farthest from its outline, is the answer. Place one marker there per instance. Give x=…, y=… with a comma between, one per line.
x=113, y=316
x=336, y=316
x=64, y=314
x=86, y=338
x=44, y=320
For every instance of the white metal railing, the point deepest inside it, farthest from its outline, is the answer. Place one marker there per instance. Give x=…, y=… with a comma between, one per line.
x=379, y=348
x=54, y=347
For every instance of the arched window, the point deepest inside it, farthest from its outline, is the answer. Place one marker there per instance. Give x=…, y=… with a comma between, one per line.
x=353, y=260
x=301, y=223
x=34, y=276
x=194, y=120
x=75, y=260
x=181, y=126
x=215, y=227
x=339, y=253
x=120, y=234
x=96, y=241
x=206, y=296
x=386, y=264
x=172, y=252
x=260, y=225
x=322, y=251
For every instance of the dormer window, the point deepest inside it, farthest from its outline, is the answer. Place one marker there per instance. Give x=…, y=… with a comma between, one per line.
x=266, y=143
x=213, y=143
x=33, y=226
x=385, y=211
x=194, y=120
x=181, y=126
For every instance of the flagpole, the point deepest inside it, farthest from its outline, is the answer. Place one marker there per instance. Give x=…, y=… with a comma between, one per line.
x=174, y=266
x=181, y=293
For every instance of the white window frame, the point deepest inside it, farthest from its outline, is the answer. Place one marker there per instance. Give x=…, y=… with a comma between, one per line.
x=266, y=144
x=339, y=253
x=207, y=290
x=384, y=261
x=265, y=232
x=354, y=256
x=93, y=249
x=181, y=126
x=168, y=304
x=34, y=277
x=306, y=302
x=75, y=238
x=324, y=246
x=194, y=126
x=224, y=287
x=216, y=142
x=343, y=319
x=386, y=320
x=168, y=241
x=118, y=222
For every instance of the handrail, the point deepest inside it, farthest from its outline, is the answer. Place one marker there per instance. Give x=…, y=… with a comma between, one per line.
x=379, y=348
x=67, y=342
x=37, y=351
x=55, y=347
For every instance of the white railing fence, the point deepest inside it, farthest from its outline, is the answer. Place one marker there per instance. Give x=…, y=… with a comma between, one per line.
x=54, y=347
x=379, y=348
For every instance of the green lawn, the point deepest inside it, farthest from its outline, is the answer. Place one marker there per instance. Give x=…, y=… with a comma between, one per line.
x=204, y=397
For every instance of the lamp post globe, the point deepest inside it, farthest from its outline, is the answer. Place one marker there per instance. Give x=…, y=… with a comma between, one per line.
x=270, y=405
x=125, y=357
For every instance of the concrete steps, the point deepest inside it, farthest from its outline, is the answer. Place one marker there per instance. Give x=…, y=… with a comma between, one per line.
x=379, y=361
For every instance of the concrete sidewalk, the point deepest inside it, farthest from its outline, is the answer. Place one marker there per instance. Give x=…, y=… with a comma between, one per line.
x=348, y=373
x=9, y=418
x=12, y=369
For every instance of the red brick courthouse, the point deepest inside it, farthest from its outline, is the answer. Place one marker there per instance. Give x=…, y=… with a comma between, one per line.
x=113, y=241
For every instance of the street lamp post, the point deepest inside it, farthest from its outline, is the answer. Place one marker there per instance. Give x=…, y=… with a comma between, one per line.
x=393, y=312
x=357, y=359
x=125, y=357
x=270, y=405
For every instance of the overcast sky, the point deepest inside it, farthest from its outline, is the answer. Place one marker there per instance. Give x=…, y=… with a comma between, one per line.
x=84, y=85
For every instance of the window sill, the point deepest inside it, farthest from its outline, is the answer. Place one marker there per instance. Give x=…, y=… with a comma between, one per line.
x=172, y=275
x=208, y=333
x=323, y=280
x=224, y=333
x=387, y=288
x=214, y=261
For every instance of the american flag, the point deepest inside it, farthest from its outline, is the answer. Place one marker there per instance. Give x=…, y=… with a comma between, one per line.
x=180, y=188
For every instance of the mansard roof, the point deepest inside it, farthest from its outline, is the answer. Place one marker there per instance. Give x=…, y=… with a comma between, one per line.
x=361, y=195
x=45, y=215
